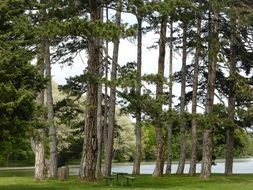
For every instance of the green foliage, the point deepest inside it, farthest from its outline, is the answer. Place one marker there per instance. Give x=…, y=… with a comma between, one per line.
x=19, y=79
x=19, y=83
x=148, y=142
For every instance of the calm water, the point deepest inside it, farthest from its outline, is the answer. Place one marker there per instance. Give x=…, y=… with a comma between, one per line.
x=241, y=166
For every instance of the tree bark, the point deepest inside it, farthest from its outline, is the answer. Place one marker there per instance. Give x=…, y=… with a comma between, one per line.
x=99, y=127
x=207, y=135
x=99, y=132
x=207, y=154
x=169, y=140
x=159, y=92
x=231, y=101
x=105, y=121
x=99, y=113
x=159, y=152
x=50, y=116
x=193, y=161
x=137, y=161
x=111, y=119
x=182, y=142
x=229, y=152
x=87, y=169
x=38, y=140
x=40, y=155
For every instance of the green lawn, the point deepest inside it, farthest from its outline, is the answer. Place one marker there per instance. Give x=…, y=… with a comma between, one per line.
x=23, y=180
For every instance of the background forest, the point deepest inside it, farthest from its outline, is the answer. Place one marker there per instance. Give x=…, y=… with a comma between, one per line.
x=114, y=111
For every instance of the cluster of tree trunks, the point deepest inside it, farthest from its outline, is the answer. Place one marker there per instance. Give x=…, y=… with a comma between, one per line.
x=99, y=129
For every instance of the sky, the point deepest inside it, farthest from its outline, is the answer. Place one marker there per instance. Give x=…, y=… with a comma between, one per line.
x=127, y=53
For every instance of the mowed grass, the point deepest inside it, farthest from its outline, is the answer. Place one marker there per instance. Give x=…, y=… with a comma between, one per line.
x=23, y=180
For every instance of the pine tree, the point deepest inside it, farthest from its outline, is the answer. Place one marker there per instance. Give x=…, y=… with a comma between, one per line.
x=213, y=51
x=193, y=161
x=19, y=81
x=87, y=169
x=159, y=92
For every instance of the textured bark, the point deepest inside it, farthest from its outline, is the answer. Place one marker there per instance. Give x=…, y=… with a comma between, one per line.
x=137, y=161
x=105, y=121
x=100, y=114
x=38, y=140
x=159, y=92
x=229, y=151
x=207, y=135
x=159, y=152
x=99, y=129
x=207, y=154
x=87, y=169
x=111, y=119
x=99, y=133
x=50, y=116
x=182, y=142
x=169, y=140
x=40, y=155
x=193, y=161
x=231, y=101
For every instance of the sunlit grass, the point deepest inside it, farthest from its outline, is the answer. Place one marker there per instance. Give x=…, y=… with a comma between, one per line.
x=23, y=180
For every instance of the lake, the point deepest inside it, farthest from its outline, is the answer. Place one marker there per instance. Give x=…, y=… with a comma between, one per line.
x=241, y=166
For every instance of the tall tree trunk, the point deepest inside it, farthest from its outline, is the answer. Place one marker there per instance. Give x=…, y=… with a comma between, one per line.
x=87, y=169
x=99, y=113
x=193, y=161
x=182, y=141
x=159, y=92
x=137, y=161
x=231, y=101
x=39, y=140
x=207, y=135
x=169, y=140
x=40, y=155
x=99, y=132
x=105, y=121
x=50, y=116
x=111, y=119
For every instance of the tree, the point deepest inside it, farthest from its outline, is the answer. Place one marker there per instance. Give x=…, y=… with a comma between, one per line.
x=50, y=115
x=212, y=62
x=159, y=92
x=138, y=9
x=38, y=139
x=111, y=117
x=89, y=157
x=19, y=81
x=193, y=161
x=170, y=136
x=231, y=101
x=100, y=112
x=182, y=142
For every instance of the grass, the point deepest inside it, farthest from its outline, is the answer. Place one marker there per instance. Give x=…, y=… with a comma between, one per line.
x=23, y=180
